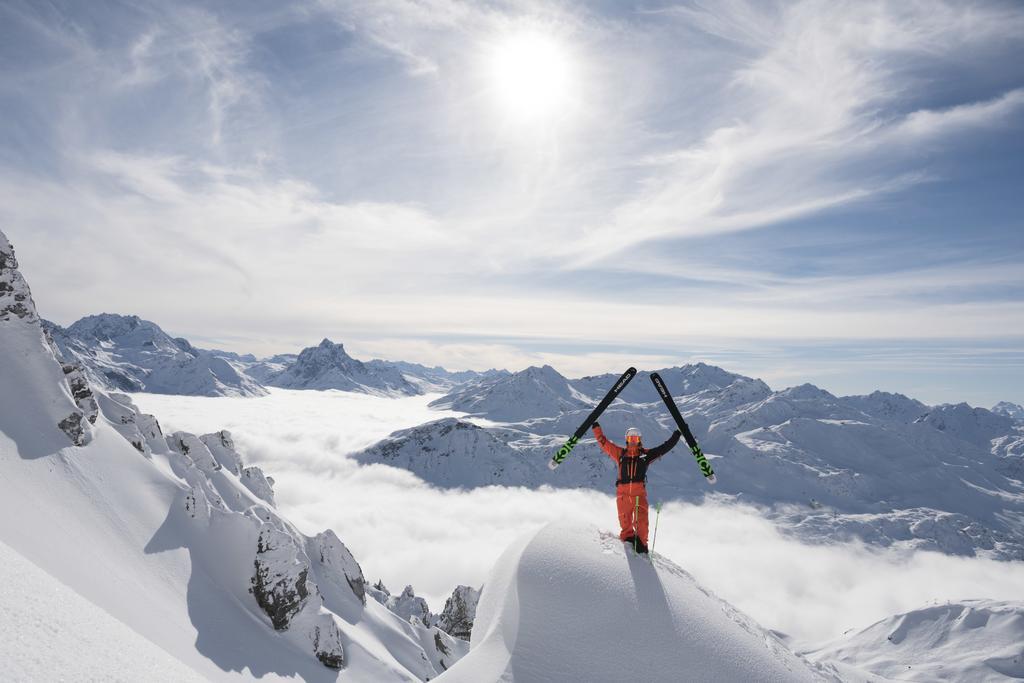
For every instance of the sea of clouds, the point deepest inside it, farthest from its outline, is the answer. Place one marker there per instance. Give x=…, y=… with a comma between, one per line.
x=404, y=531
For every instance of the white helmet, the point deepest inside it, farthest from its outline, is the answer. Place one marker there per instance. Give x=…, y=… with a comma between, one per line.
x=632, y=432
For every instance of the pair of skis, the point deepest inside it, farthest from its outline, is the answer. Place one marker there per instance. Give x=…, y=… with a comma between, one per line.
x=562, y=453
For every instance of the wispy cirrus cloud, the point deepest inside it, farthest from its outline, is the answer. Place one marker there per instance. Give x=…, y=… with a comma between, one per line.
x=728, y=173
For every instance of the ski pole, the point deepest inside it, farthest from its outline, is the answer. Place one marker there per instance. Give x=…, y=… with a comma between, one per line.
x=636, y=522
x=657, y=516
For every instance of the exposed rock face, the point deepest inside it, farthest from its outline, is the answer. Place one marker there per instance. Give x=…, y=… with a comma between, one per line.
x=327, y=366
x=15, y=296
x=283, y=590
x=80, y=391
x=459, y=612
x=72, y=426
x=279, y=583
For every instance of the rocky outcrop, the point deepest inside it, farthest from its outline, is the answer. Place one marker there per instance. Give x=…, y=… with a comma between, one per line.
x=258, y=484
x=459, y=611
x=285, y=593
x=193, y=448
x=222, y=448
x=337, y=564
x=80, y=391
x=410, y=607
x=73, y=425
x=15, y=296
x=279, y=582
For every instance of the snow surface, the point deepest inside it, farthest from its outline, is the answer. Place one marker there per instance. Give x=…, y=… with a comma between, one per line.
x=570, y=603
x=970, y=640
x=50, y=631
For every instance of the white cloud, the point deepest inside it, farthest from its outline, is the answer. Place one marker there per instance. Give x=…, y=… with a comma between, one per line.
x=406, y=532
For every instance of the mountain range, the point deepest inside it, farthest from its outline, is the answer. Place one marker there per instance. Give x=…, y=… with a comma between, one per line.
x=126, y=353
x=882, y=467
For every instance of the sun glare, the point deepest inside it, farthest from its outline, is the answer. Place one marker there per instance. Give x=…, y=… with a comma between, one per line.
x=531, y=76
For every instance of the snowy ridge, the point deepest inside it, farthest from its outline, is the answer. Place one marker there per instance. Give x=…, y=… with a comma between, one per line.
x=970, y=640
x=126, y=353
x=571, y=603
x=176, y=539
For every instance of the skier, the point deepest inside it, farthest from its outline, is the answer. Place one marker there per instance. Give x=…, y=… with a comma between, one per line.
x=630, y=491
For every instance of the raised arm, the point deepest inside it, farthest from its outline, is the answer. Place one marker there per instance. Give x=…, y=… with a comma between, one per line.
x=658, y=451
x=614, y=451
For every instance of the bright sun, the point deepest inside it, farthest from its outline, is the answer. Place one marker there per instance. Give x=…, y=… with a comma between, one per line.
x=531, y=76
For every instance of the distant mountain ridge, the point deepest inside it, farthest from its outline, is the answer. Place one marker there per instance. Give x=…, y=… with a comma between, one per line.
x=881, y=467
x=127, y=353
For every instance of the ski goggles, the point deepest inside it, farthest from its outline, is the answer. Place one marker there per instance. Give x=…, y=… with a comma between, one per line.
x=632, y=438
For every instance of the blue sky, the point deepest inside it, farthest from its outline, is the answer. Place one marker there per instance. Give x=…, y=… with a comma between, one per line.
x=812, y=191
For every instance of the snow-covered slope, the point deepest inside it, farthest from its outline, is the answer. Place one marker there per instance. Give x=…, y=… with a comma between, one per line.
x=327, y=366
x=126, y=353
x=173, y=537
x=970, y=640
x=36, y=606
x=568, y=603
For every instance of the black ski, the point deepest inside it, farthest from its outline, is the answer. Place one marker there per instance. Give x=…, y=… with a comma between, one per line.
x=673, y=409
x=563, y=452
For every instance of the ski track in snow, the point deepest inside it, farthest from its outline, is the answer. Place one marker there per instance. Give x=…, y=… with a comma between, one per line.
x=405, y=531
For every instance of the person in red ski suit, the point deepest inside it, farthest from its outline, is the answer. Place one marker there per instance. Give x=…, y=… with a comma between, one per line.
x=630, y=491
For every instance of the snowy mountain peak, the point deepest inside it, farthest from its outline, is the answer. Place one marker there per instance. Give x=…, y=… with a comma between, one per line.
x=328, y=366
x=128, y=353
x=1014, y=411
x=807, y=392
x=110, y=326
x=530, y=393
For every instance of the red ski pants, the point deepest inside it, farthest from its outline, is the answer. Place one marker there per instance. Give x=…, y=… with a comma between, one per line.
x=631, y=499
